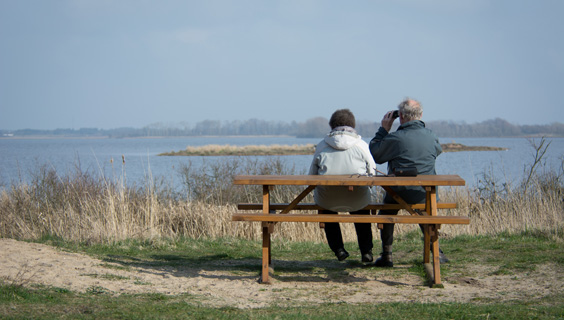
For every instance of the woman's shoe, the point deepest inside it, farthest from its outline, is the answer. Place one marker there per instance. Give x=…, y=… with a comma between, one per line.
x=341, y=254
x=367, y=257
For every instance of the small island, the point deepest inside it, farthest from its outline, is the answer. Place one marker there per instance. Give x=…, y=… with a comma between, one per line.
x=455, y=147
x=286, y=150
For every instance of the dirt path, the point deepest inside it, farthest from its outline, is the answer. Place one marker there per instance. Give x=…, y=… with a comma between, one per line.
x=31, y=263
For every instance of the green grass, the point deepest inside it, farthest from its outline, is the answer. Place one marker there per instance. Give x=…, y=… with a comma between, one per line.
x=50, y=303
x=507, y=254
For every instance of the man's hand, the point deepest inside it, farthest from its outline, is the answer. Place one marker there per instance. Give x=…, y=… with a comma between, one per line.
x=388, y=121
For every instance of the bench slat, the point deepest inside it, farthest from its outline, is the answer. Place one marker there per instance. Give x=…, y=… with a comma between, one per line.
x=313, y=206
x=350, y=218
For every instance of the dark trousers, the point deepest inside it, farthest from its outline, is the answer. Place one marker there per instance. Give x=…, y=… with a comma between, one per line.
x=363, y=233
x=387, y=232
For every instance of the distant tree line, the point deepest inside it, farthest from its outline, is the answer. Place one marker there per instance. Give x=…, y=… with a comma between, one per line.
x=311, y=128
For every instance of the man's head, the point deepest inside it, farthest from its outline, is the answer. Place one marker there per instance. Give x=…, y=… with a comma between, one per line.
x=342, y=117
x=410, y=110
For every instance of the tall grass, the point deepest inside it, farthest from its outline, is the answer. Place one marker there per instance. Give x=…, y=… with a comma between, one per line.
x=536, y=203
x=81, y=206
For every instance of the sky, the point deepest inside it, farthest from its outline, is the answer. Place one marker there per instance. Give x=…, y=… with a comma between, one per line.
x=132, y=63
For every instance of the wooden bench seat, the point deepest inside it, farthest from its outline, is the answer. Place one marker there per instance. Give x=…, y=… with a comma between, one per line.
x=349, y=218
x=313, y=206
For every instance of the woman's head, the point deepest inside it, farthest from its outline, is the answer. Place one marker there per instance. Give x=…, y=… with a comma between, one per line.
x=342, y=117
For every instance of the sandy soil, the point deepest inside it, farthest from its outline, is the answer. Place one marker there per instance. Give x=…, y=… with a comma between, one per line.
x=224, y=284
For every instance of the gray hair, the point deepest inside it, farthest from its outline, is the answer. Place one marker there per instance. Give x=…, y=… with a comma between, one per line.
x=410, y=111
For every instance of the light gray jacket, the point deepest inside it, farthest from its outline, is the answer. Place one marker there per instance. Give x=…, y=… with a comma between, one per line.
x=342, y=152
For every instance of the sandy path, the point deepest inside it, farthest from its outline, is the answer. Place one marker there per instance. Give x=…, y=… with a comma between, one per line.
x=31, y=263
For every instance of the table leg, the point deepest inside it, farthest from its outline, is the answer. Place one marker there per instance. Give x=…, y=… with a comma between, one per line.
x=266, y=258
x=426, y=243
x=265, y=254
x=433, y=232
x=436, y=260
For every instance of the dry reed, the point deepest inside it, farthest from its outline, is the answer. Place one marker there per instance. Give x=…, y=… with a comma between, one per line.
x=80, y=207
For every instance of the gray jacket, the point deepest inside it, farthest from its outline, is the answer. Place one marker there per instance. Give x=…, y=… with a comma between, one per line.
x=342, y=152
x=411, y=145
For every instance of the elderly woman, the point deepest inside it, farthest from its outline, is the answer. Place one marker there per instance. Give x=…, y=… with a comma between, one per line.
x=343, y=151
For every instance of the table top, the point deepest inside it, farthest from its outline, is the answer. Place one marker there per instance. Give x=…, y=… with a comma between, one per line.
x=349, y=180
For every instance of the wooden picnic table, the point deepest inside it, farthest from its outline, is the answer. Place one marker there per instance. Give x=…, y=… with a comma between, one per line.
x=420, y=214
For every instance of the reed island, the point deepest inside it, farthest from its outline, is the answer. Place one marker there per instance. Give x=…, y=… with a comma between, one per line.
x=287, y=150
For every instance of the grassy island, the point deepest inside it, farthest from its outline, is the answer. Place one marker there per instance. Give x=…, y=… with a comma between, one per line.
x=284, y=150
x=455, y=147
x=250, y=150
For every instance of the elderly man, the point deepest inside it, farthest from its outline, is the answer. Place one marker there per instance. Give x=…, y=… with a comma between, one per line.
x=411, y=145
x=344, y=152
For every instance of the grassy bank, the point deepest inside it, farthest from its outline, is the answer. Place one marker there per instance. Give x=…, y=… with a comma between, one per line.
x=536, y=252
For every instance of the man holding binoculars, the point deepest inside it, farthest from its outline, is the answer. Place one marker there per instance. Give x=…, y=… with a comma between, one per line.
x=411, y=148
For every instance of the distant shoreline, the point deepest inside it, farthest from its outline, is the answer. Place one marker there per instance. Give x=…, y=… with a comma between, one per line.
x=241, y=136
x=140, y=137
x=306, y=128
x=52, y=137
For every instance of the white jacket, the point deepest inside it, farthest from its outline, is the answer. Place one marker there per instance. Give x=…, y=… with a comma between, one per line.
x=342, y=152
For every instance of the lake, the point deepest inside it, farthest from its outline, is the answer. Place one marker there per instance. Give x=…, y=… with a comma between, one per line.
x=19, y=158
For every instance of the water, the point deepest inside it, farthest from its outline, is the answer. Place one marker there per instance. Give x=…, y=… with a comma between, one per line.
x=507, y=166
x=19, y=158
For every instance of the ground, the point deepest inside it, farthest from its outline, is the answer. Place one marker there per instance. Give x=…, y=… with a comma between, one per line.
x=227, y=285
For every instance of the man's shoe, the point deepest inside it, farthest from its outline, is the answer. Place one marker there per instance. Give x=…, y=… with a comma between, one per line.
x=367, y=257
x=442, y=257
x=385, y=260
x=341, y=254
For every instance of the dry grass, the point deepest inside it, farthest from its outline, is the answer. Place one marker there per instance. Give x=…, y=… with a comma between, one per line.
x=80, y=207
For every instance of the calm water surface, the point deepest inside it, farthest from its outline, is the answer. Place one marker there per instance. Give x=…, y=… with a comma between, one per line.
x=19, y=158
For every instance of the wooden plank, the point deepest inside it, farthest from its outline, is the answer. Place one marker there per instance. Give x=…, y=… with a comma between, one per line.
x=349, y=218
x=349, y=180
x=314, y=207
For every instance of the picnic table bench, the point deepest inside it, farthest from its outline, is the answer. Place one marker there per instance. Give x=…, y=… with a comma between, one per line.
x=424, y=214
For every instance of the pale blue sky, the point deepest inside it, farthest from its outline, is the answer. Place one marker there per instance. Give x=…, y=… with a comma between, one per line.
x=116, y=63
